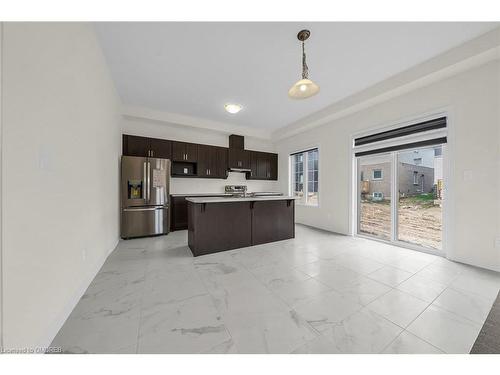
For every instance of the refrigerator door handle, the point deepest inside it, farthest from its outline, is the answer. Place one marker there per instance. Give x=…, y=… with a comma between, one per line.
x=144, y=173
x=148, y=179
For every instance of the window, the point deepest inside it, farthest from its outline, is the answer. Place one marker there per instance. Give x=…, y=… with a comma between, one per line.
x=377, y=174
x=417, y=161
x=304, y=176
x=415, y=178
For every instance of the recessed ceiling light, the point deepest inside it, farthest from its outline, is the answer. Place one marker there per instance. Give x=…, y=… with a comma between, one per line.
x=232, y=108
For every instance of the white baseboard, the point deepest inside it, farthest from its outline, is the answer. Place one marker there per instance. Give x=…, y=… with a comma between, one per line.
x=55, y=326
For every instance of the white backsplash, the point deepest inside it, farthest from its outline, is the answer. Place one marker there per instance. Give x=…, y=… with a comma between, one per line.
x=179, y=185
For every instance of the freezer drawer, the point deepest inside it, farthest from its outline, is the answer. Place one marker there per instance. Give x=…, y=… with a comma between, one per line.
x=144, y=221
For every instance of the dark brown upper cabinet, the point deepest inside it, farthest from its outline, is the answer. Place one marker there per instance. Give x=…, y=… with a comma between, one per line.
x=146, y=147
x=161, y=148
x=221, y=154
x=239, y=159
x=183, y=151
x=274, y=167
x=263, y=166
x=194, y=160
x=212, y=161
x=133, y=145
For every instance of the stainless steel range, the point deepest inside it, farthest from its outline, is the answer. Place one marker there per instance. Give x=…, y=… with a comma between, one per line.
x=240, y=191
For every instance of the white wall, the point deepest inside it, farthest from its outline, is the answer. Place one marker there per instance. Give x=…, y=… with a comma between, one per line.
x=61, y=147
x=472, y=98
x=165, y=130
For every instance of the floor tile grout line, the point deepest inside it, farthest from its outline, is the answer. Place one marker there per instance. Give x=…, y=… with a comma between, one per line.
x=430, y=304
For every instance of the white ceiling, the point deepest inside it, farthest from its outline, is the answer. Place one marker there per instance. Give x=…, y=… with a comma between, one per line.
x=193, y=68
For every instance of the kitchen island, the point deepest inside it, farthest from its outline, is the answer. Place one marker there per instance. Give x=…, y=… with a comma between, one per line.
x=221, y=223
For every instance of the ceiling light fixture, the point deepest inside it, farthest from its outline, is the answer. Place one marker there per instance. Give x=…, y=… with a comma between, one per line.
x=232, y=108
x=303, y=88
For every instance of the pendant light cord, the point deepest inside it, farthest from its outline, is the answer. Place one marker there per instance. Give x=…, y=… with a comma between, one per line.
x=305, y=69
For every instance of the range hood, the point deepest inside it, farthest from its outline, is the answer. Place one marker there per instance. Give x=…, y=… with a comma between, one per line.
x=237, y=143
x=241, y=170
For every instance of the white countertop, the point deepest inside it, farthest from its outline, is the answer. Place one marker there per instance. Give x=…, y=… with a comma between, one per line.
x=201, y=195
x=232, y=199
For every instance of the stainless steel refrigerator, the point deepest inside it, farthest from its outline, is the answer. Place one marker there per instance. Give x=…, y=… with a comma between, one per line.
x=145, y=196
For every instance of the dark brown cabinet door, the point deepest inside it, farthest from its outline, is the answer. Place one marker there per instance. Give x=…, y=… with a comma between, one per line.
x=161, y=148
x=215, y=227
x=239, y=158
x=272, y=221
x=135, y=146
x=178, y=151
x=274, y=166
x=191, y=152
x=205, y=160
x=220, y=168
x=212, y=161
x=182, y=151
x=263, y=166
x=179, y=213
x=253, y=165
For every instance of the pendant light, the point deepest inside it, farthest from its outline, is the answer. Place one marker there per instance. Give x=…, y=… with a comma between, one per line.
x=303, y=88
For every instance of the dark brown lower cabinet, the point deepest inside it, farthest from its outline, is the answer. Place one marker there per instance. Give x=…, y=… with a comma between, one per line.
x=179, y=211
x=272, y=221
x=215, y=227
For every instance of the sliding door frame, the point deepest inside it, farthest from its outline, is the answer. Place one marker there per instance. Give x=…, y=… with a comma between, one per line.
x=446, y=207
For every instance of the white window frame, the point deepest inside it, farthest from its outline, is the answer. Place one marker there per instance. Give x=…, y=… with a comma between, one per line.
x=381, y=175
x=306, y=176
x=415, y=177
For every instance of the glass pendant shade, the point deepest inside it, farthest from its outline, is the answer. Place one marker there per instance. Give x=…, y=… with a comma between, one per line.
x=302, y=89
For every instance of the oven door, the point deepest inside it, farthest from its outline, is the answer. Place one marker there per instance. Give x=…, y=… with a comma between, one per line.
x=144, y=221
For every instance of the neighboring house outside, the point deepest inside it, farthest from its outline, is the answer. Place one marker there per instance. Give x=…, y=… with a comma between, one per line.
x=418, y=170
x=413, y=179
x=376, y=178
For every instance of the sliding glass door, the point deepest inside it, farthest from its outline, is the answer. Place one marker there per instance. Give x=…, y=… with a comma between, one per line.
x=375, y=191
x=420, y=190
x=400, y=196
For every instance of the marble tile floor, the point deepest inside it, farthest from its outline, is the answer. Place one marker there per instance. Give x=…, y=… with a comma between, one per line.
x=317, y=293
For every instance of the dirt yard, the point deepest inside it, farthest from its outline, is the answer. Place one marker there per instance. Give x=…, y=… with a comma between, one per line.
x=419, y=222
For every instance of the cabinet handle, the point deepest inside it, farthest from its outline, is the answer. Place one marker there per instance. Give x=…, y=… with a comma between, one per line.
x=186, y=156
x=152, y=153
x=208, y=171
